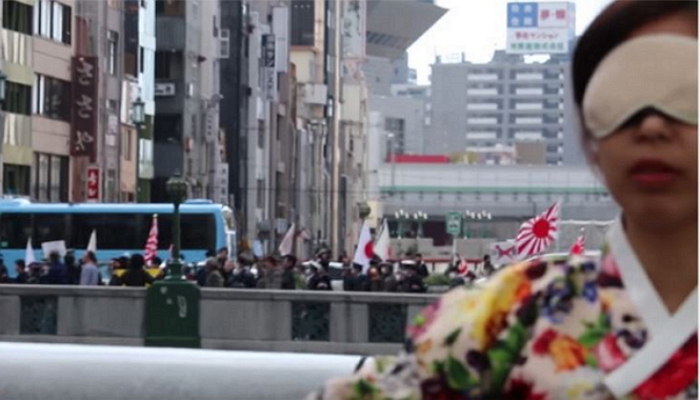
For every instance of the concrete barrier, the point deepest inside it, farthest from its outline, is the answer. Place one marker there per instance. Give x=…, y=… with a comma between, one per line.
x=77, y=372
x=256, y=320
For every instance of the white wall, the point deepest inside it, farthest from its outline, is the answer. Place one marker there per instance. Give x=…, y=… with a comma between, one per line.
x=147, y=40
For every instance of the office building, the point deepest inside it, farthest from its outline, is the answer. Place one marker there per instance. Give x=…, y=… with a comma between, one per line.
x=504, y=101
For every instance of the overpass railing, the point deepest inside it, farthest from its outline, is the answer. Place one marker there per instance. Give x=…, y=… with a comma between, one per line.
x=259, y=320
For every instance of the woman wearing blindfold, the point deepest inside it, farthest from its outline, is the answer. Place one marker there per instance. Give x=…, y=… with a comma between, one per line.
x=621, y=328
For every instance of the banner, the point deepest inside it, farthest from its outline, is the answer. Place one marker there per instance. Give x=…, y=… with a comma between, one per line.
x=83, y=140
x=503, y=252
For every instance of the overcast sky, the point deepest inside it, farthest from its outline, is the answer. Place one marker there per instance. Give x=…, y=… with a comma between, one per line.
x=477, y=28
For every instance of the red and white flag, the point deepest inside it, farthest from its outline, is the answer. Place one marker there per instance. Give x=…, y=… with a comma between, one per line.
x=151, y=250
x=288, y=241
x=365, y=248
x=382, y=246
x=579, y=247
x=538, y=233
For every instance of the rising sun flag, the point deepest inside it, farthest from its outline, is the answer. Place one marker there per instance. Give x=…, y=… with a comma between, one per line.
x=538, y=233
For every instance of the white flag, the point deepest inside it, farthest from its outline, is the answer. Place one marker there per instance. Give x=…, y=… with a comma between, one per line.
x=365, y=249
x=288, y=241
x=92, y=243
x=382, y=246
x=29, y=254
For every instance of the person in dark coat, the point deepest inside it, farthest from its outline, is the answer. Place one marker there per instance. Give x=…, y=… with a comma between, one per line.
x=288, y=280
x=118, y=268
x=413, y=283
x=57, y=273
x=72, y=268
x=422, y=268
x=319, y=280
x=22, y=275
x=390, y=283
x=135, y=275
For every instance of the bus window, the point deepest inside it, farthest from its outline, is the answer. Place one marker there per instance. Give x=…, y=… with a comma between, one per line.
x=114, y=231
x=15, y=230
x=198, y=232
x=121, y=232
x=50, y=227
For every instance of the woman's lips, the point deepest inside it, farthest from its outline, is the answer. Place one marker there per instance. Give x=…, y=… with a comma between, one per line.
x=654, y=174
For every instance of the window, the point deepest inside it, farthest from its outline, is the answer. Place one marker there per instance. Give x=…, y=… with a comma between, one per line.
x=17, y=16
x=112, y=53
x=224, y=44
x=50, y=178
x=261, y=133
x=127, y=143
x=261, y=193
x=18, y=98
x=172, y=8
x=142, y=59
x=51, y=97
x=15, y=230
x=49, y=227
x=16, y=179
x=52, y=20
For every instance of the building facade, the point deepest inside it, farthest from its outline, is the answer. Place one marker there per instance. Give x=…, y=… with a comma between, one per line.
x=501, y=102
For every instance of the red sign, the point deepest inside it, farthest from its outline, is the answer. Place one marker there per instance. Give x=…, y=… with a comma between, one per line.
x=83, y=139
x=93, y=184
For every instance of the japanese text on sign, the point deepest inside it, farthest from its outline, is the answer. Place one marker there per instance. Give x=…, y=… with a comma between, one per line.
x=83, y=135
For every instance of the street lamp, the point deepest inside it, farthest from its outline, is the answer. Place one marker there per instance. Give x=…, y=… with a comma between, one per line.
x=420, y=217
x=400, y=215
x=177, y=189
x=478, y=216
x=138, y=117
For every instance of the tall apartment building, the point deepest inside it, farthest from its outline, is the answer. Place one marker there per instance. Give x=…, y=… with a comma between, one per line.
x=37, y=109
x=186, y=134
x=50, y=50
x=310, y=24
x=139, y=72
x=265, y=145
x=234, y=60
x=504, y=101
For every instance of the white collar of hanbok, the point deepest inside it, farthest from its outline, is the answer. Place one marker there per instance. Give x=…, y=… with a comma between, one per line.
x=668, y=332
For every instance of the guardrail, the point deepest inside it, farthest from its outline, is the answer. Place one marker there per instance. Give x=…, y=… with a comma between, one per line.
x=260, y=320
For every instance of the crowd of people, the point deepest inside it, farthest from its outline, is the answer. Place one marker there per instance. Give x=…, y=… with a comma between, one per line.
x=218, y=270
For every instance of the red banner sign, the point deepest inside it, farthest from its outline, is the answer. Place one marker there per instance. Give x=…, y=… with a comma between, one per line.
x=83, y=140
x=93, y=184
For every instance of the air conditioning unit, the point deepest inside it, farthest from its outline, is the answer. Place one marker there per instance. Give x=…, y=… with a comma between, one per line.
x=164, y=90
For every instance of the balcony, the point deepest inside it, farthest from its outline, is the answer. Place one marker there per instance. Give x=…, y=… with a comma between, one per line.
x=171, y=33
x=17, y=48
x=169, y=95
x=314, y=94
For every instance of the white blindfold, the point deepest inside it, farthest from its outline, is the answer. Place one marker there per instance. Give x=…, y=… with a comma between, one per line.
x=659, y=72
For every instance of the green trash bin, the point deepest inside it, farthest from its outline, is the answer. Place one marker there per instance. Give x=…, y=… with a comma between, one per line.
x=172, y=314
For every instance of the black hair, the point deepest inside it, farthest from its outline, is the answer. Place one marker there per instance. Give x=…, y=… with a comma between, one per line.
x=611, y=28
x=136, y=262
x=91, y=256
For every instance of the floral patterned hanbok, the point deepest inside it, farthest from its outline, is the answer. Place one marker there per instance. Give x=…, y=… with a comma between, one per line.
x=541, y=330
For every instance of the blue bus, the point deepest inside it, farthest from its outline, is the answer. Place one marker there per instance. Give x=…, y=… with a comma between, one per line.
x=121, y=228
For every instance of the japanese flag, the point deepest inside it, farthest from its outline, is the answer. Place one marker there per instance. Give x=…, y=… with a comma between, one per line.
x=579, y=247
x=365, y=249
x=538, y=233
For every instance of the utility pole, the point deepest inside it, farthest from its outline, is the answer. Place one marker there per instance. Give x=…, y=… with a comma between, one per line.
x=335, y=175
